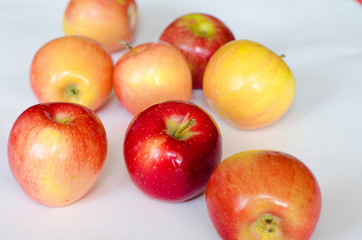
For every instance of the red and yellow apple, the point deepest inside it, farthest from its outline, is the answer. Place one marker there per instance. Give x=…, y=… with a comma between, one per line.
x=171, y=149
x=151, y=73
x=107, y=21
x=248, y=84
x=260, y=194
x=56, y=152
x=72, y=69
x=197, y=36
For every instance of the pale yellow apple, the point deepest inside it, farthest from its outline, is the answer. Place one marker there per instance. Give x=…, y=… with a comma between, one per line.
x=72, y=69
x=248, y=84
x=107, y=21
x=151, y=73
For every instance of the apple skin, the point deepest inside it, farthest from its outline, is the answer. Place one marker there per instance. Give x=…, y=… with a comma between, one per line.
x=72, y=69
x=56, y=152
x=197, y=36
x=151, y=73
x=106, y=21
x=252, y=188
x=167, y=167
x=248, y=84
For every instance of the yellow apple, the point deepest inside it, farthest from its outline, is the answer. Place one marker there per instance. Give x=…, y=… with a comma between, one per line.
x=107, y=21
x=248, y=84
x=72, y=69
x=151, y=73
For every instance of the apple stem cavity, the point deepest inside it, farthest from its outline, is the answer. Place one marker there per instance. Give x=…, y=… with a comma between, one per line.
x=205, y=29
x=72, y=91
x=63, y=119
x=180, y=131
x=267, y=226
x=129, y=46
x=190, y=123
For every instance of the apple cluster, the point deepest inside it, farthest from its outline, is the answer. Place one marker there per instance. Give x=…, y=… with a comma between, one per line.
x=172, y=147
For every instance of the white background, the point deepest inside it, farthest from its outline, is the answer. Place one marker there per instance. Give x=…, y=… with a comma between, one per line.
x=322, y=41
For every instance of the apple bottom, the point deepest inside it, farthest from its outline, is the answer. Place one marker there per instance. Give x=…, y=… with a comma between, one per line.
x=172, y=178
x=54, y=191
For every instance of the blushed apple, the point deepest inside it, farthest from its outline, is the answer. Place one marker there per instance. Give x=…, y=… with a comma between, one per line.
x=197, y=36
x=56, y=152
x=72, y=69
x=171, y=149
x=263, y=194
x=107, y=21
x=151, y=73
x=248, y=84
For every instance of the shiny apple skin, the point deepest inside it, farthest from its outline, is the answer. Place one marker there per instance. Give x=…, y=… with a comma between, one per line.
x=167, y=168
x=72, y=62
x=56, y=152
x=106, y=21
x=248, y=84
x=252, y=183
x=157, y=72
x=197, y=48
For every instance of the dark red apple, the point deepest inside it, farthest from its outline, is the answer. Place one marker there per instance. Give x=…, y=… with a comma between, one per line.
x=56, y=152
x=171, y=149
x=197, y=36
x=262, y=194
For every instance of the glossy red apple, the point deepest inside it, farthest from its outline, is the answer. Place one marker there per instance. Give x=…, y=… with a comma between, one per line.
x=197, y=36
x=56, y=152
x=171, y=149
x=263, y=195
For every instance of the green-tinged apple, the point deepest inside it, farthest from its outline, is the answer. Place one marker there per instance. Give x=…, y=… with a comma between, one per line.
x=56, y=152
x=107, y=21
x=171, y=149
x=151, y=73
x=197, y=36
x=263, y=194
x=248, y=84
x=72, y=69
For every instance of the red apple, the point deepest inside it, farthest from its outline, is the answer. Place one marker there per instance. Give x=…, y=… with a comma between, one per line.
x=197, y=36
x=263, y=195
x=107, y=21
x=56, y=152
x=151, y=73
x=171, y=149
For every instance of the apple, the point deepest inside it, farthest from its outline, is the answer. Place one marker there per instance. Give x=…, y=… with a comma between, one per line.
x=151, y=73
x=263, y=194
x=56, y=152
x=72, y=69
x=197, y=36
x=171, y=149
x=248, y=84
x=107, y=21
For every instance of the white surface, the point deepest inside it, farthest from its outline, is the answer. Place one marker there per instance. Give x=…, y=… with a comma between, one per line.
x=322, y=41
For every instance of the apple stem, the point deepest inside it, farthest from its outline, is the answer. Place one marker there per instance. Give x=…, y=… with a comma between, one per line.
x=190, y=123
x=282, y=56
x=129, y=46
